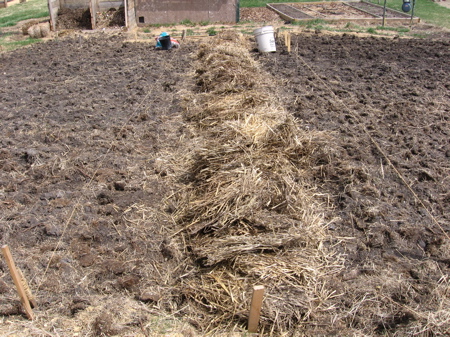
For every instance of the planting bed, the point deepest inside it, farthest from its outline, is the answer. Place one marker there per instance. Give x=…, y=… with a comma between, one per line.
x=378, y=10
x=86, y=186
x=332, y=11
x=337, y=11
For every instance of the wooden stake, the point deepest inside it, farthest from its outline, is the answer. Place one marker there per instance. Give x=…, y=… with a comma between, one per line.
x=289, y=42
x=183, y=35
x=17, y=281
x=27, y=289
x=255, y=309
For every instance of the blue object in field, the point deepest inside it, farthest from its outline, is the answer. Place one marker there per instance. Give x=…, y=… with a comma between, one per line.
x=163, y=41
x=406, y=7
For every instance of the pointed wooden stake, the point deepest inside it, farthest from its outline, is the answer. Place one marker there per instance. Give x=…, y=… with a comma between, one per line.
x=255, y=309
x=287, y=41
x=27, y=289
x=17, y=281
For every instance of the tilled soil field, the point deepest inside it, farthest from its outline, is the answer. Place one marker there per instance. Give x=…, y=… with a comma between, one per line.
x=85, y=190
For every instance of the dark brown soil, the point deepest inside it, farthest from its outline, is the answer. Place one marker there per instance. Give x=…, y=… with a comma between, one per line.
x=82, y=188
x=292, y=12
x=387, y=103
x=74, y=19
x=81, y=18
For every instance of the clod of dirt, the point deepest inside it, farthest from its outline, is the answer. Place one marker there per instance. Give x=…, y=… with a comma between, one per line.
x=119, y=186
x=149, y=296
x=3, y=287
x=128, y=282
x=116, y=267
x=103, y=325
x=52, y=230
x=87, y=260
x=12, y=308
x=78, y=304
x=30, y=155
x=103, y=199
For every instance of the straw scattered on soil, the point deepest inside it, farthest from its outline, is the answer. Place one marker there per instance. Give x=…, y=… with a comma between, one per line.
x=246, y=211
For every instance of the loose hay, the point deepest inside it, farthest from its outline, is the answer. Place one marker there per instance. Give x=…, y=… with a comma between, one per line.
x=246, y=210
x=38, y=31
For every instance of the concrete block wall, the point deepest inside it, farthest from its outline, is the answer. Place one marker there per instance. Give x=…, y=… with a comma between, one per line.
x=175, y=11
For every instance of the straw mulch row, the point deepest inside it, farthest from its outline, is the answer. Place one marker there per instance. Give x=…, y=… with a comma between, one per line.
x=246, y=212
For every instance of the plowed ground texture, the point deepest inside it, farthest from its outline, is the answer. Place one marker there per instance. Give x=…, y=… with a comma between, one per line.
x=82, y=191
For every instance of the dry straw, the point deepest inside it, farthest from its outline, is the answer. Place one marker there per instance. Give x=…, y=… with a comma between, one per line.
x=245, y=210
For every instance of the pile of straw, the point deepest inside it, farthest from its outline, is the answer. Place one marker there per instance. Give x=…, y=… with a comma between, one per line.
x=245, y=211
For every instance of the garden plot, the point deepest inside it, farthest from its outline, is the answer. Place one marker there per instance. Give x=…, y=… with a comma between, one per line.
x=338, y=11
x=146, y=192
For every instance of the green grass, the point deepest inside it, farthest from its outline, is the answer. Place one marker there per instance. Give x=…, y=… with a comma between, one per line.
x=161, y=25
x=211, y=31
x=393, y=29
x=315, y=23
x=32, y=9
x=188, y=22
x=427, y=10
x=11, y=45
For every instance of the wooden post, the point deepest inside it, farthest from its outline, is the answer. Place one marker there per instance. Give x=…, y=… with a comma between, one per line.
x=125, y=5
x=289, y=42
x=17, y=281
x=384, y=13
x=183, y=35
x=255, y=309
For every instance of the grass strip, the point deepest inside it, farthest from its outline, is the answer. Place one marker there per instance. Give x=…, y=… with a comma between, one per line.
x=428, y=11
x=32, y=9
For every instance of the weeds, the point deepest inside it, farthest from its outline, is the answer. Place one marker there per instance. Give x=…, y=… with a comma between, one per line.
x=211, y=31
x=188, y=22
x=394, y=29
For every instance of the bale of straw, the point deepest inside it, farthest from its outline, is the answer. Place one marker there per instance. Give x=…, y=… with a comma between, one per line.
x=34, y=32
x=39, y=31
x=27, y=25
x=45, y=29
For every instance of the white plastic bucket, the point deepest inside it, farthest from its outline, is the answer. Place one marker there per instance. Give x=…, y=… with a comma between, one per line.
x=265, y=39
